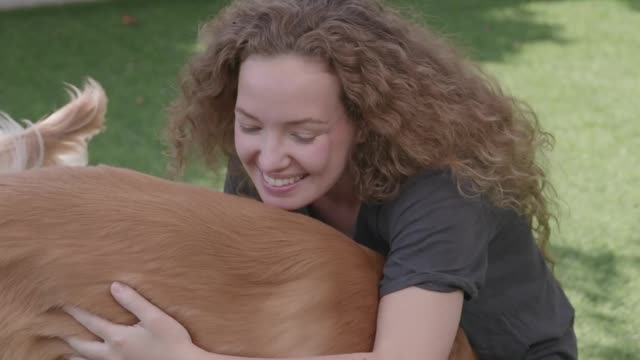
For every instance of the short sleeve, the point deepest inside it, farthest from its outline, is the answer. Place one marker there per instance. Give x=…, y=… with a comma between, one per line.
x=438, y=239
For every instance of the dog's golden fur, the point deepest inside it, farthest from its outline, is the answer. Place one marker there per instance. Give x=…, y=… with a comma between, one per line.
x=244, y=278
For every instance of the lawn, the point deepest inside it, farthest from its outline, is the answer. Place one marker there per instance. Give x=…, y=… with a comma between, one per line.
x=574, y=61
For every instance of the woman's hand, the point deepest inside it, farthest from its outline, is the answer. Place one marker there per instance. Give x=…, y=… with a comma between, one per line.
x=157, y=336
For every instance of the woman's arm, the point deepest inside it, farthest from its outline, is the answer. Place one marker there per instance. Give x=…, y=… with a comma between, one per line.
x=412, y=324
x=417, y=324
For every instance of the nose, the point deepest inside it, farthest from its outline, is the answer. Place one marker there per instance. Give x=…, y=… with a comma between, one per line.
x=273, y=156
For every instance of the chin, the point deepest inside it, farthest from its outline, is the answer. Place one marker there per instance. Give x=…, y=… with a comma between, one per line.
x=285, y=204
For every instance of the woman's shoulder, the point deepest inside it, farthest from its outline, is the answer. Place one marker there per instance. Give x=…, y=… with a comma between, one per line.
x=433, y=236
x=433, y=207
x=434, y=192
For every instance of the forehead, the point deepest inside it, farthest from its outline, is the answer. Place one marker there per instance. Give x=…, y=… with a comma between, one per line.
x=287, y=87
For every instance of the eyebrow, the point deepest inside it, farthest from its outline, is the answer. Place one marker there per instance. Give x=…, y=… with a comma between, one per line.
x=291, y=122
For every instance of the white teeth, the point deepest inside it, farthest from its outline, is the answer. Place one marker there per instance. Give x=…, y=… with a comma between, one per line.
x=280, y=182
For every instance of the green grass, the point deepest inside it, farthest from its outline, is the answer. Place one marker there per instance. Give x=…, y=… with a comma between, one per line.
x=137, y=65
x=574, y=61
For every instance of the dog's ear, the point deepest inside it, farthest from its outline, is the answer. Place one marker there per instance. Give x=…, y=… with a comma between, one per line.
x=66, y=132
x=59, y=139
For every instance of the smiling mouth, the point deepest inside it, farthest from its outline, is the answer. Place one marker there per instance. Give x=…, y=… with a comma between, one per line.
x=280, y=182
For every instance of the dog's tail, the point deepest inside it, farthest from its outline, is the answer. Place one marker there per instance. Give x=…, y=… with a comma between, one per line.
x=59, y=139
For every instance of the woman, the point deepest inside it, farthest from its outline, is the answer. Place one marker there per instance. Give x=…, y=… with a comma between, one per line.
x=353, y=115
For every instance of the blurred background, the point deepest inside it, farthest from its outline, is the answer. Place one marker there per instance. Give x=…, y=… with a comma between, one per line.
x=574, y=61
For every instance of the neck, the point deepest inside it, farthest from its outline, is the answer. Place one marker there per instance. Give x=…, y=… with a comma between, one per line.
x=339, y=207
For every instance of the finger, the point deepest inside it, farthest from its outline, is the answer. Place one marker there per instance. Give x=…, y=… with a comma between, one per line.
x=90, y=349
x=97, y=325
x=131, y=300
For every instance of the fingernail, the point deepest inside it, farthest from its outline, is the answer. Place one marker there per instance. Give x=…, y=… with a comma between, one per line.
x=117, y=287
x=72, y=357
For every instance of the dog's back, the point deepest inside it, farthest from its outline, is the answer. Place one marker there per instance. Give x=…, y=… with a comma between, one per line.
x=243, y=278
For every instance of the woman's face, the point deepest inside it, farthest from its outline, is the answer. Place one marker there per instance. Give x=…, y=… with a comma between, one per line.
x=292, y=133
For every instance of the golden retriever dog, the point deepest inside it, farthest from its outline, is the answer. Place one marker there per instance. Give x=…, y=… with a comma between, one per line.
x=242, y=277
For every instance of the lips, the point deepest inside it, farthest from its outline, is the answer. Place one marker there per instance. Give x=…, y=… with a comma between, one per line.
x=281, y=181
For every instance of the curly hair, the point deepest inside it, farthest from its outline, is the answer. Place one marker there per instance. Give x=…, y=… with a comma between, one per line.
x=412, y=95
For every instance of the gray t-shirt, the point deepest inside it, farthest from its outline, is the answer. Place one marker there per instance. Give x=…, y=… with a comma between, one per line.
x=436, y=239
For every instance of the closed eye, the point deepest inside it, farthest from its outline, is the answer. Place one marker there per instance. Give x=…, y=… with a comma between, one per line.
x=303, y=138
x=249, y=129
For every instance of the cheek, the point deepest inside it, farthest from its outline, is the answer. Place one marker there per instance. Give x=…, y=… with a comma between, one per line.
x=317, y=158
x=245, y=146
